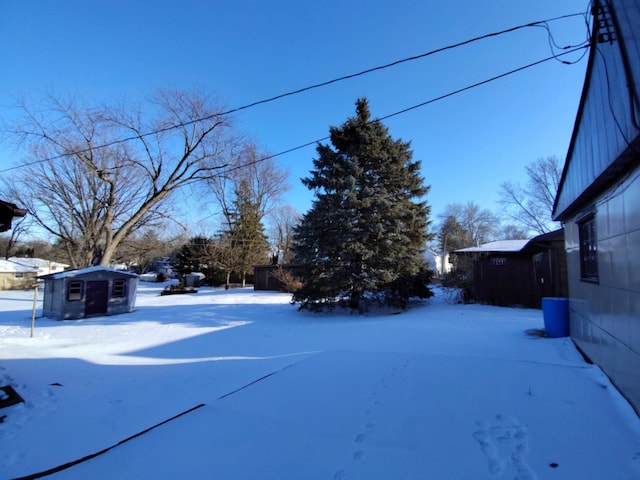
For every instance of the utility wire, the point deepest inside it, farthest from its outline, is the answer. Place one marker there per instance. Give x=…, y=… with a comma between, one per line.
x=537, y=24
x=541, y=23
x=414, y=107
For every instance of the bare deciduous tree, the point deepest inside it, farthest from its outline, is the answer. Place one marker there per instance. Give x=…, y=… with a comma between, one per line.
x=223, y=254
x=95, y=176
x=251, y=178
x=282, y=221
x=265, y=180
x=477, y=225
x=143, y=247
x=250, y=169
x=531, y=206
x=513, y=232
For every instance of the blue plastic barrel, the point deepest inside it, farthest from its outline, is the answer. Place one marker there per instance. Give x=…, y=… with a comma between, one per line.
x=555, y=311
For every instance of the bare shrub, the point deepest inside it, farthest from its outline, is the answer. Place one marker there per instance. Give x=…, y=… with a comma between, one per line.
x=288, y=281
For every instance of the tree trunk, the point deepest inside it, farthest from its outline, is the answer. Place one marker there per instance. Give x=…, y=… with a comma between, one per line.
x=354, y=301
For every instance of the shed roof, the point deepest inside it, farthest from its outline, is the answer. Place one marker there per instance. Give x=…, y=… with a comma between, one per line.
x=505, y=246
x=497, y=246
x=84, y=271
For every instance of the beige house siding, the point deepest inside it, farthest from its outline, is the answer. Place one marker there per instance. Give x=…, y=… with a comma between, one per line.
x=16, y=280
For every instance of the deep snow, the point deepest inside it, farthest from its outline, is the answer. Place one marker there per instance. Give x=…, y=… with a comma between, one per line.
x=442, y=391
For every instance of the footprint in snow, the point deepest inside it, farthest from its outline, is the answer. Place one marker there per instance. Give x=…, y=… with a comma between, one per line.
x=505, y=443
x=358, y=456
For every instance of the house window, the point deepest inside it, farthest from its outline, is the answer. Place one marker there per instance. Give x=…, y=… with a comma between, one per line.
x=119, y=289
x=19, y=275
x=588, y=249
x=74, y=291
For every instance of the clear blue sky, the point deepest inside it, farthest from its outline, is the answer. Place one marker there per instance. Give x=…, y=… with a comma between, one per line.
x=245, y=51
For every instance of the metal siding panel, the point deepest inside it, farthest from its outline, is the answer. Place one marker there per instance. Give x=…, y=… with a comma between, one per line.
x=615, y=213
x=597, y=142
x=602, y=125
x=605, y=318
x=634, y=324
x=628, y=376
x=632, y=247
x=619, y=264
x=597, y=306
x=632, y=202
x=617, y=321
x=605, y=262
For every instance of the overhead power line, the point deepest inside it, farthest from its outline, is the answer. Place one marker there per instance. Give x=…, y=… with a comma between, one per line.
x=414, y=107
x=541, y=23
x=537, y=24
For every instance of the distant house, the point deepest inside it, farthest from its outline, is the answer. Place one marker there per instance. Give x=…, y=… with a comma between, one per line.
x=164, y=267
x=437, y=262
x=518, y=272
x=89, y=292
x=44, y=267
x=598, y=200
x=14, y=276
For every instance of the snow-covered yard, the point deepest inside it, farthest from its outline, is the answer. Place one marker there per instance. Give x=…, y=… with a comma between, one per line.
x=441, y=391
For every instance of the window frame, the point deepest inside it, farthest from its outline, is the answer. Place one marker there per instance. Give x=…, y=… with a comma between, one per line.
x=588, y=248
x=75, y=291
x=119, y=288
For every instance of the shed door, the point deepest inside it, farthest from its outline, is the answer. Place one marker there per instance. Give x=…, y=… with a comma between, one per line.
x=97, y=298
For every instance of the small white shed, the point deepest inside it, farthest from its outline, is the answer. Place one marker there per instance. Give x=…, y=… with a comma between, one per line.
x=89, y=292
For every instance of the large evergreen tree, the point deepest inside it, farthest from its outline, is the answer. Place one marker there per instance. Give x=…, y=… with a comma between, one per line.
x=364, y=236
x=195, y=256
x=247, y=233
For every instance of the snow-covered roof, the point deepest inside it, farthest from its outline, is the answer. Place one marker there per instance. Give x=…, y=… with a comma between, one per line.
x=497, y=246
x=37, y=262
x=82, y=271
x=9, y=266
